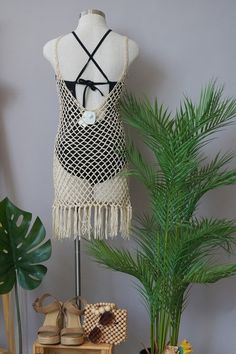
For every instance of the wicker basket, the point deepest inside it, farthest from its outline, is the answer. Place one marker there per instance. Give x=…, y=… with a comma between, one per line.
x=114, y=333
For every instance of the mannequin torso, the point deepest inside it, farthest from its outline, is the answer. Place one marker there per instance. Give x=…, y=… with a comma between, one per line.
x=110, y=56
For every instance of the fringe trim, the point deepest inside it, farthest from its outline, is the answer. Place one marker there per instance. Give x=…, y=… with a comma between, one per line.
x=97, y=221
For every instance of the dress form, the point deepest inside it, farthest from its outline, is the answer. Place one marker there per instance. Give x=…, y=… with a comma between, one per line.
x=110, y=57
x=90, y=29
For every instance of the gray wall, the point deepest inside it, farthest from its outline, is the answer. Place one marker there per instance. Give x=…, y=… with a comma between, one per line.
x=182, y=44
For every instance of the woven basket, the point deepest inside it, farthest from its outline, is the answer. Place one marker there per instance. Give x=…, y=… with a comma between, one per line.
x=114, y=333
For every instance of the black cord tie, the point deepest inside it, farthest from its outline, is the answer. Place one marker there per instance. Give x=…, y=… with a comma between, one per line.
x=91, y=85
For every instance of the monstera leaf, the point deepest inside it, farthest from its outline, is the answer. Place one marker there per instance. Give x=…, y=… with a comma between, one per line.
x=21, y=248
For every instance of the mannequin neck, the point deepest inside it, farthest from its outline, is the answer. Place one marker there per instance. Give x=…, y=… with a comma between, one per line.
x=90, y=20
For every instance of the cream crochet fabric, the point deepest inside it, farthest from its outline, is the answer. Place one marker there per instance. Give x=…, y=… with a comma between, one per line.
x=91, y=192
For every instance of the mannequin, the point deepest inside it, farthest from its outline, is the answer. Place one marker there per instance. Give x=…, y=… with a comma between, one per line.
x=110, y=197
x=90, y=29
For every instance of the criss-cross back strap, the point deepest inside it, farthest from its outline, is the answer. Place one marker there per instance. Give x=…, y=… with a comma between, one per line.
x=91, y=55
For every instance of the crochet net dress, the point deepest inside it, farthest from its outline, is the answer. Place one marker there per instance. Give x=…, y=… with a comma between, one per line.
x=91, y=191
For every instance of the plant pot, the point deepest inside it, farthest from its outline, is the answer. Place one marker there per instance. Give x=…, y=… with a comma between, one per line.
x=168, y=350
x=144, y=351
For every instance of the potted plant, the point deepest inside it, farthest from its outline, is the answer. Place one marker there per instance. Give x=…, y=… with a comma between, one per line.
x=21, y=251
x=175, y=248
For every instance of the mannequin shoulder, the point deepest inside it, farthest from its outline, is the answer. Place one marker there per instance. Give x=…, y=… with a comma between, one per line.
x=49, y=50
x=133, y=50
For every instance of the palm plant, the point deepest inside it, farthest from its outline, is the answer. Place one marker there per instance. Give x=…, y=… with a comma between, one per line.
x=174, y=247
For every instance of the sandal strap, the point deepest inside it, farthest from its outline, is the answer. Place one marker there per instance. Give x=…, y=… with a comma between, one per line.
x=72, y=307
x=66, y=331
x=75, y=299
x=49, y=329
x=38, y=307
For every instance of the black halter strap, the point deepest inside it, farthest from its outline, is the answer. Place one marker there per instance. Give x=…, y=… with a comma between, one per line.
x=90, y=55
x=88, y=83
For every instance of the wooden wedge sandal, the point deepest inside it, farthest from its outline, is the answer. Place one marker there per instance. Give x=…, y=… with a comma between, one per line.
x=72, y=333
x=49, y=333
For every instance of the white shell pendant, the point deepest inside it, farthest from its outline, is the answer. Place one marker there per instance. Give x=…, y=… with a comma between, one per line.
x=88, y=118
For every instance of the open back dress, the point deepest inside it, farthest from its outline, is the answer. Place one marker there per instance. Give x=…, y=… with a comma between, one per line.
x=91, y=190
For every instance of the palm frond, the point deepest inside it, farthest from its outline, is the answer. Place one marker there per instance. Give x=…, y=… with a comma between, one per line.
x=141, y=169
x=118, y=260
x=204, y=274
x=122, y=261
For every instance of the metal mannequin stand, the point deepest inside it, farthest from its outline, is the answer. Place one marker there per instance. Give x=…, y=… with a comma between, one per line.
x=77, y=267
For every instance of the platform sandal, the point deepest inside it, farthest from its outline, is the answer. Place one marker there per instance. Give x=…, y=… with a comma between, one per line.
x=49, y=333
x=72, y=333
